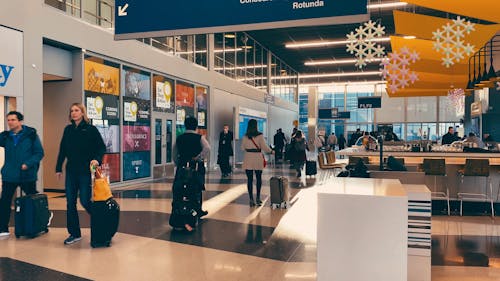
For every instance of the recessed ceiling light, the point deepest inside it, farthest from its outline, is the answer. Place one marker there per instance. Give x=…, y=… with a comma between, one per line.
x=314, y=44
x=229, y=35
x=409, y=37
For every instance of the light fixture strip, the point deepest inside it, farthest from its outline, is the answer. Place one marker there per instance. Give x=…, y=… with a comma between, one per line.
x=308, y=76
x=345, y=61
x=330, y=43
x=386, y=5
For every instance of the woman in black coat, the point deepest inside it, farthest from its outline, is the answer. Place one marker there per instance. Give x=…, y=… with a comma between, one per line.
x=82, y=146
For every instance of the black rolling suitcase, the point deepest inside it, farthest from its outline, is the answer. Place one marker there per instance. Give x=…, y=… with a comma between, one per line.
x=185, y=206
x=280, y=195
x=32, y=215
x=311, y=168
x=104, y=220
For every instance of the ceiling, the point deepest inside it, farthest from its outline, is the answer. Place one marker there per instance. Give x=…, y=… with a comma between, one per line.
x=276, y=39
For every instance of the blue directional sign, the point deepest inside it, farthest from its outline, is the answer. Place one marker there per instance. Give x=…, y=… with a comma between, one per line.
x=155, y=18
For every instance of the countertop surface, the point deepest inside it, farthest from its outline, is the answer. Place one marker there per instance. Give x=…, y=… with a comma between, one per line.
x=364, y=187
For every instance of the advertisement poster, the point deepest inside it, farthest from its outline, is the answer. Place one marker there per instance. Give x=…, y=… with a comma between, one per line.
x=184, y=95
x=111, y=163
x=136, y=165
x=11, y=63
x=201, y=98
x=202, y=119
x=110, y=135
x=101, y=107
x=163, y=94
x=101, y=76
x=136, y=110
x=137, y=83
x=136, y=138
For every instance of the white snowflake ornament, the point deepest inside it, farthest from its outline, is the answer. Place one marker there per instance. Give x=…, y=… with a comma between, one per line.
x=498, y=86
x=448, y=41
x=360, y=43
x=396, y=69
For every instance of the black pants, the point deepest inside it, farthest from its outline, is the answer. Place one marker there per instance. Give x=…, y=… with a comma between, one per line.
x=258, y=176
x=77, y=184
x=225, y=167
x=8, y=190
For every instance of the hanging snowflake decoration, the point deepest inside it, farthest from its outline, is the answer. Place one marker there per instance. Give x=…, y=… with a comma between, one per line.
x=456, y=100
x=363, y=43
x=498, y=86
x=449, y=41
x=396, y=69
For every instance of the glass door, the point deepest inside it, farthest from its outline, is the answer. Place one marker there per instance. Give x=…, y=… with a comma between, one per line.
x=163, y=140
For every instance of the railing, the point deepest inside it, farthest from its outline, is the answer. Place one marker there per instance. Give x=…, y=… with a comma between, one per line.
x=98, y=12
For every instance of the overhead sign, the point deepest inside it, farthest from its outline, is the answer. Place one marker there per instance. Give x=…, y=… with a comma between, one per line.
x=11, y=62
x=369, y=102
x=333, y=113
x=156, y=18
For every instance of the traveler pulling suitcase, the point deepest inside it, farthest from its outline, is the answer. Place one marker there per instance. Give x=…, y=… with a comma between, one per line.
x=280, y=195
x=186, y=196
x=32, y=215
x=104, y=212
x=311, y=168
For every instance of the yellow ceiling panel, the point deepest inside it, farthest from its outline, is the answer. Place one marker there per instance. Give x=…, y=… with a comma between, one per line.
x=480, y=9
x=418, y=93
x=422, y=26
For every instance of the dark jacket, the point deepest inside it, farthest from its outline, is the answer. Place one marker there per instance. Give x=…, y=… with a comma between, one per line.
x=188, y=146
x=448, y=138
x=299, y=151
x=279, y=141
x=80, y=145
x=28, y=150
x=226, y=144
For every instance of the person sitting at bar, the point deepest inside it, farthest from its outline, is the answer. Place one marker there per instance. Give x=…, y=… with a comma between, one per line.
x=477, y=142
x=449, y=137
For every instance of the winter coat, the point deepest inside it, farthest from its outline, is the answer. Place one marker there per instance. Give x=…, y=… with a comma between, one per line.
x=254, y=160
x=80, y=145
x=28, y=150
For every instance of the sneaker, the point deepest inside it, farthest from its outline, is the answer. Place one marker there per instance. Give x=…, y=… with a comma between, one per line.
x=71, y=239
x=4, y=233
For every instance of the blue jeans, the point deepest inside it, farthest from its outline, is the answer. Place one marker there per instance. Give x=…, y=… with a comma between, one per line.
x=76, y=183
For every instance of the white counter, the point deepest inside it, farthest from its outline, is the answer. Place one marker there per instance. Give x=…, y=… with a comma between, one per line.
x=362, y=230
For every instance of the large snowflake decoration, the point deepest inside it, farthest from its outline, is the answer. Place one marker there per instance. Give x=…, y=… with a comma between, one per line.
x=449, y=41
x=456, y=101
x=396, y=69
x=363, y=43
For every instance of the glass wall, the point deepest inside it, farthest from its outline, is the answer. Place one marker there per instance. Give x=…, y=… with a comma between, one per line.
x=413, y=118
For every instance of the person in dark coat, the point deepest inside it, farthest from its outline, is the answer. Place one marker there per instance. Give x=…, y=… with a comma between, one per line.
x=82, y=146
x=191, y=149
x=225, y=151
x=342, y=141
x=299, y=153
x=449, y=137
x=23, y=153
x=279, y=144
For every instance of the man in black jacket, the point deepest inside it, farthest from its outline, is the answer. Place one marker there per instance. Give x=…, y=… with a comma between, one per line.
x=225, y=151
x=23, y=153
x=449, y=137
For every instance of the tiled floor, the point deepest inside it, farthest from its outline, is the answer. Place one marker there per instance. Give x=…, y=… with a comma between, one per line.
x=234, y=242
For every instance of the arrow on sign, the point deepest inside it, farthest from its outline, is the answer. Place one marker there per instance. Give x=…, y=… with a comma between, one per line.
x=122, y=11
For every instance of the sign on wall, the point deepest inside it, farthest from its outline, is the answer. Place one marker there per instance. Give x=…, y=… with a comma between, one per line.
x=11, y=62
x=229, y=15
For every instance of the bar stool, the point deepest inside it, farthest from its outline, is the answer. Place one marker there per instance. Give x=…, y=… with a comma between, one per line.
x=437, y=167
x=477, y=168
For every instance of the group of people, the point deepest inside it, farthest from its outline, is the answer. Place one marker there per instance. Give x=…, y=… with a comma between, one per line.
x=81, y=147
x=452, y=136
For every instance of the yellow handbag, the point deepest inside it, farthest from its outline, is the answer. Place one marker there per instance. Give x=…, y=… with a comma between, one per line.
x=101, y=190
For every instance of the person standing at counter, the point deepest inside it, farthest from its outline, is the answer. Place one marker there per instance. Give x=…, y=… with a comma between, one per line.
x=449, y=137
x=342, y=142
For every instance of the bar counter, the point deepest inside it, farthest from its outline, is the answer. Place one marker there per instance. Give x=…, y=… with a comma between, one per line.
x=452, y=158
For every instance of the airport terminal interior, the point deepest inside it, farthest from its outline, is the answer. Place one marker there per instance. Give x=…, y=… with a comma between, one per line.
x=381, y=117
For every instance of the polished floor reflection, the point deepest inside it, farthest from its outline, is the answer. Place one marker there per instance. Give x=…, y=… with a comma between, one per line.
x=234, y=242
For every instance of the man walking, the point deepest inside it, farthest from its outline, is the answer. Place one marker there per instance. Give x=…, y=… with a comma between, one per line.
x=23, y=153
x=279, y=143
x=225, y=151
